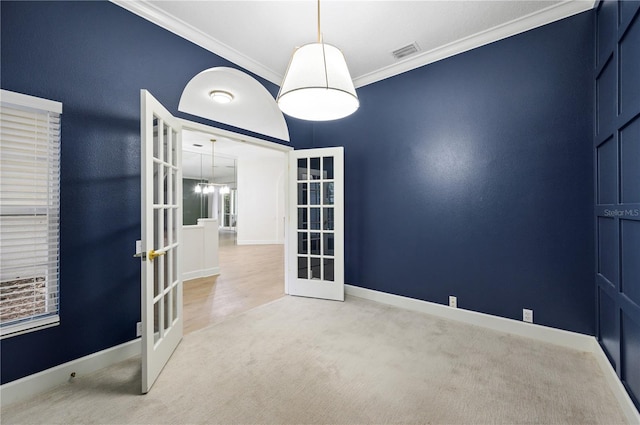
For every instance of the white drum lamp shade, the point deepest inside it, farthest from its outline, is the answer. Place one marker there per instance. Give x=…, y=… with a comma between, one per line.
x=317, y=85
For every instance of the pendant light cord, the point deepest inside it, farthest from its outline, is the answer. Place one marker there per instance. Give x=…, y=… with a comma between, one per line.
x=213, y=141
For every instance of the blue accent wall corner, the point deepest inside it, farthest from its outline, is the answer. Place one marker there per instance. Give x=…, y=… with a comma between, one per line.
x=472, y=177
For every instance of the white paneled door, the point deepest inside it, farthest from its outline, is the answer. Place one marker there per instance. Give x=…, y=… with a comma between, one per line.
x=161, y=222
x=315, y=263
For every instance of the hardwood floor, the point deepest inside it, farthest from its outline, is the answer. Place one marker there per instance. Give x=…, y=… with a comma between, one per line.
x=250, y=275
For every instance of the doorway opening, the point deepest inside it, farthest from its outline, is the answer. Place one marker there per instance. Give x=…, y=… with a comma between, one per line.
x=243, y=214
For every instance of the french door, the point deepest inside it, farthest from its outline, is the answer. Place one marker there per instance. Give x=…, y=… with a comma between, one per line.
x=161, y=222
x=315, y=266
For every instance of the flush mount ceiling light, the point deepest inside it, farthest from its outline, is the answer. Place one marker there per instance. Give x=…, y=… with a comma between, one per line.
x=317, y=85
x=221, y=96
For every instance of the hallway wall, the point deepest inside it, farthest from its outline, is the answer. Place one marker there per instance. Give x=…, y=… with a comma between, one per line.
x=261, y=199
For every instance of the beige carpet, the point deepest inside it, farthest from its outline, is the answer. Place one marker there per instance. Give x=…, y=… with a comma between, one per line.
x=300, y=360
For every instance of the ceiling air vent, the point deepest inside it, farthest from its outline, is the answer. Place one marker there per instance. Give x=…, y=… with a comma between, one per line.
x=405, y=51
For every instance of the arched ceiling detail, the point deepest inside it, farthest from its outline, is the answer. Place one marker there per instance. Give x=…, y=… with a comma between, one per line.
x=253, y=108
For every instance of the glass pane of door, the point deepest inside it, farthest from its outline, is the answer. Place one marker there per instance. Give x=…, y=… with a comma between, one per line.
x=317, y=223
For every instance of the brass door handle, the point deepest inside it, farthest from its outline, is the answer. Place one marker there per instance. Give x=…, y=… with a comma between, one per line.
x=153, y=254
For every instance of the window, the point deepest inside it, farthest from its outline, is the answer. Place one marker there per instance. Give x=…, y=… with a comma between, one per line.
x=29, y=212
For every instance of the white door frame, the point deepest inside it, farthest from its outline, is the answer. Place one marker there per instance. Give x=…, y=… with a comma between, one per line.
x=203, y=128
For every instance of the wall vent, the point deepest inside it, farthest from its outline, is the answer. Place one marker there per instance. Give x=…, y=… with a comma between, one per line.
x=405, y=51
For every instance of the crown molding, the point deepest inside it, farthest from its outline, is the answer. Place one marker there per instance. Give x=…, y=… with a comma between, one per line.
x=177, y=26
x=508, y=29
x=545, y=16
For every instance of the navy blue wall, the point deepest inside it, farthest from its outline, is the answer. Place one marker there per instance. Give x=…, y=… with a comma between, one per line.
x=472, y=177
x=617, y=187
x=94, y=57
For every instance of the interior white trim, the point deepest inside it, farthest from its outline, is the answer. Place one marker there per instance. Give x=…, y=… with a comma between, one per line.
x=546, y=334
x=31, y=385
x=23, y=388
x=30, y=326
x=194, y=35
x=626, y=404
x=30, y=101
x=560, y=337
x=196, y=126
x=517, y=26
x=214, y=271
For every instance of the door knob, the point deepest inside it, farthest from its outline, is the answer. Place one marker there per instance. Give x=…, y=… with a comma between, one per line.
x=153, y=254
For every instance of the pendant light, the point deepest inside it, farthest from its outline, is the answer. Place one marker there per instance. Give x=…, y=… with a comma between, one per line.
x=317, y=85
x=210, y=187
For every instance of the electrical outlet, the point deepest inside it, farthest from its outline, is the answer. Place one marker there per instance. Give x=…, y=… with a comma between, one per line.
x=453, y=301
x=527, y=315
x=139, y=329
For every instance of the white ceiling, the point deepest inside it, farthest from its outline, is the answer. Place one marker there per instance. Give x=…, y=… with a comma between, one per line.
x=196, y=160
x=261, y=35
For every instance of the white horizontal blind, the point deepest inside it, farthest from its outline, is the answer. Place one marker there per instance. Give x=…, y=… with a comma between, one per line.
x=29, y=212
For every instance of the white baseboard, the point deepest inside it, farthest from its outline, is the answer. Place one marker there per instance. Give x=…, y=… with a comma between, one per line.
x=201, y=273
x=24, y=388
x=626, y=404
x=259, y=242
x=31, y=385
x=560, y=337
